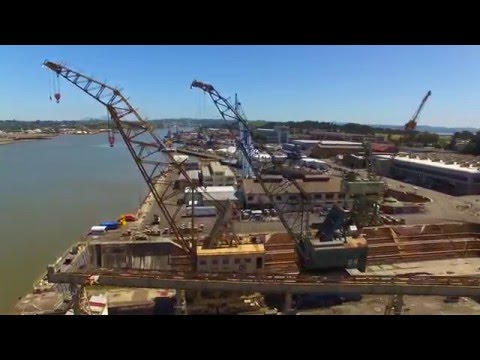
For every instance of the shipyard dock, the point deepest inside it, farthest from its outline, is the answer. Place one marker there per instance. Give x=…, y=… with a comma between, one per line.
x=284, y=223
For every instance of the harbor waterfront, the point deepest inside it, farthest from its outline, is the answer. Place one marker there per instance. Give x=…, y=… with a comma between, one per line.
x=52, y=193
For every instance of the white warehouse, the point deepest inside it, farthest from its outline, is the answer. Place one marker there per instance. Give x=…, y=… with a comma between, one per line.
x=456, y=178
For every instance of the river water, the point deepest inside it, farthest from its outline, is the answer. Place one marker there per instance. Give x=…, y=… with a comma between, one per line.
x=51, y=193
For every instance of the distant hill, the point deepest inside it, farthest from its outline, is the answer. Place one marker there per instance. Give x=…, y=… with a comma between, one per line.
x=100, y=121
x=431, y=129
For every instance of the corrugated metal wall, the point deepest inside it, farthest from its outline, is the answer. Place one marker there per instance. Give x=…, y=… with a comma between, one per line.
x=82, y=259
x=114, y=260
x=149, y=262
x=146, y=262
x=137, y=257
x=154, y=256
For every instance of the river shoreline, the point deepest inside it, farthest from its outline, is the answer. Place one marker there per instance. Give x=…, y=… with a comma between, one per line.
x=13, y=138
x=34, y=302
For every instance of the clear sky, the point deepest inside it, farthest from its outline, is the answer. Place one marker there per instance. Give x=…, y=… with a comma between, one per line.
x=364, y=84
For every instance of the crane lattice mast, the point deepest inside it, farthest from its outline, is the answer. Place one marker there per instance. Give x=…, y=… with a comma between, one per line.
x=139, y=137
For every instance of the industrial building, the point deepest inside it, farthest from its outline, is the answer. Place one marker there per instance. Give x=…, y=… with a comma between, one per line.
x=216, y=174
x=328, y=135
x=290, y=147
x=304, y=144
x=327, y=148
x=324, y=191
x=186, y=161
x=451, y=174
x=277, y=135
x=182, y=182
x=209, y=195
x=358, y=161
x=247, y=258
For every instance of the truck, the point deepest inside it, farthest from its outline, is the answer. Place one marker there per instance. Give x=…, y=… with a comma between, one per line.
x=201, y=211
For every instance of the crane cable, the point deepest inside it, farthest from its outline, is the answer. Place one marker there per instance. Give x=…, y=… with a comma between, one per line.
x=56, y=88
x=58, y=83
x=50, y=87
x=202, y=109
x=111, y=134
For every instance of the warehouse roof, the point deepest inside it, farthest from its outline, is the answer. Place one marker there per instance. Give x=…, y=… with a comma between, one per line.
x=338, y=143
x=327, y=142
x=440, y=164
x=218, y=193
x=211, y=189
x=333, y=185
x=244, y=249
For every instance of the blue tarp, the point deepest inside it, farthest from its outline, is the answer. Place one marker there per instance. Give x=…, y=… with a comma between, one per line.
x=110, y=225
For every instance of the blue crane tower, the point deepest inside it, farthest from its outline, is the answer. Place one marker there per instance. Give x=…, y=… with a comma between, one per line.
x=246, y=140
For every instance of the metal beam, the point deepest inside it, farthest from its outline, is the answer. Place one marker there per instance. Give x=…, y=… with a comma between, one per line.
x=392, y=285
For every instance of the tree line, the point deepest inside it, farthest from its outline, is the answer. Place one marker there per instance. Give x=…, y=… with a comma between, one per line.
x=466, y=142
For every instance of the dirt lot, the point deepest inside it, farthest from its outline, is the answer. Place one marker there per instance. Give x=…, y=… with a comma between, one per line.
x=414, y=305
x=443, y=207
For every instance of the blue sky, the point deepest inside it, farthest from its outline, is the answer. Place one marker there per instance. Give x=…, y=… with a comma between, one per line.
x=364, y=84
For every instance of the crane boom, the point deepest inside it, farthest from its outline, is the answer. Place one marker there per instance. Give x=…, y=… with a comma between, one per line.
x=412, y=124
x=138, y=135
x=230, y=112
x=246, y=139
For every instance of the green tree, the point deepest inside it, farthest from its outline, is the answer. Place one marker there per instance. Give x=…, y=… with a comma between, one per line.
x=426, y=138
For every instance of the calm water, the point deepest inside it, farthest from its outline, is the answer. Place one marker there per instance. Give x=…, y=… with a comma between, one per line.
x=52, y=192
